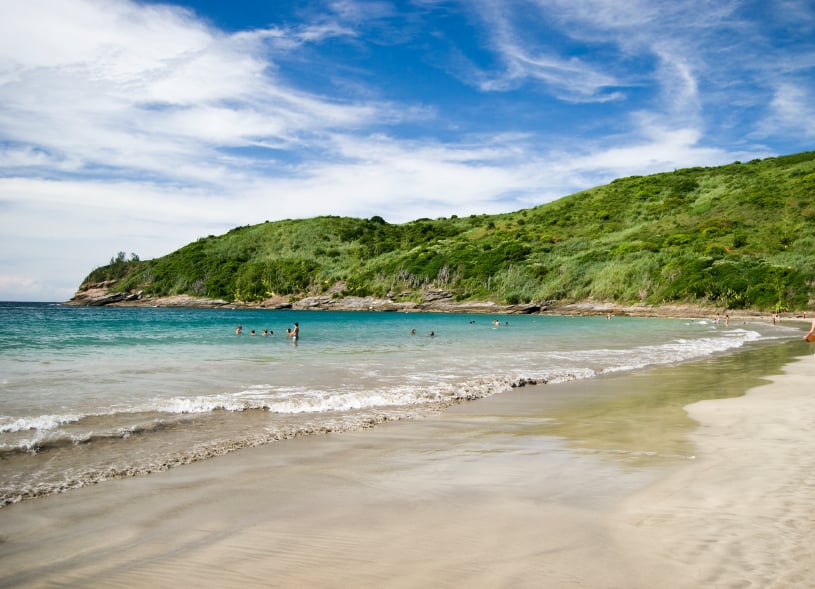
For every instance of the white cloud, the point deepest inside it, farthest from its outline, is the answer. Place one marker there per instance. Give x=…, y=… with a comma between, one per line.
x=110, y=40
x=792, y=109
x=122, y=85
x=53, y=233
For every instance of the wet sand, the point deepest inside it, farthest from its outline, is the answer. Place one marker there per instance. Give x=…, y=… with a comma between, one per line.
x=741, y=515
x=533, y=488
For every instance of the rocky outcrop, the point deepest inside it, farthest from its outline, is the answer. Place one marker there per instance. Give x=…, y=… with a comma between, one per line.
x=100, y=295
x=426, y=301
x=429, y=301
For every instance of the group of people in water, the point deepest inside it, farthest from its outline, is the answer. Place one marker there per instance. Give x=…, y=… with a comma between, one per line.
x=495, y=323
x=292, y=332
x=431, y=334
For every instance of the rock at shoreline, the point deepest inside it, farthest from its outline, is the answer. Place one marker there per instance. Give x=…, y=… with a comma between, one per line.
x=100, y=295
x=431, y=301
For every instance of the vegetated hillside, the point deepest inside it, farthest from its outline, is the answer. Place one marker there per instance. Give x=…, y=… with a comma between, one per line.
x=735, y=236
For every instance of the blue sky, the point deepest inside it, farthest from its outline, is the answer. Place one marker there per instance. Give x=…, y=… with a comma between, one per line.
x=141, y=126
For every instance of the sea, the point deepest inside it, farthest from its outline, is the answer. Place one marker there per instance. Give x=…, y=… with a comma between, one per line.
x=94, y=393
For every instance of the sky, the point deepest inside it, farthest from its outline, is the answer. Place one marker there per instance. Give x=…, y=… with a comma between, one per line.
x=140, y=126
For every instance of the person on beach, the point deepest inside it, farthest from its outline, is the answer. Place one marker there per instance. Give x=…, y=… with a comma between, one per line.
x=238, y=329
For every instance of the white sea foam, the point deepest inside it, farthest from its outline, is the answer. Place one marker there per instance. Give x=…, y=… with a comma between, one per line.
x=292, y=400
x=41, y=422
x=552, y=367
x=679, y=350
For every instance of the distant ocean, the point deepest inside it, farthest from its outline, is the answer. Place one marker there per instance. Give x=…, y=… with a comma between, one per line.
x=90, y=393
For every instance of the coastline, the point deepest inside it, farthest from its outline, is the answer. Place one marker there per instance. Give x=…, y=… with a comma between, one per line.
x=432, y=301
x=479, y=496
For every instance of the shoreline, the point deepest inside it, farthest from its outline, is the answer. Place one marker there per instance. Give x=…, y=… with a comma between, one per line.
x=481, y=495
x=432, y=302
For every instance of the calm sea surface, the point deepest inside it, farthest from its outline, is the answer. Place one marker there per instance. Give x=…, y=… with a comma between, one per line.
x=88, y=394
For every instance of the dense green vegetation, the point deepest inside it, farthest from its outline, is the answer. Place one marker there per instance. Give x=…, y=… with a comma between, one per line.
x=735, y=236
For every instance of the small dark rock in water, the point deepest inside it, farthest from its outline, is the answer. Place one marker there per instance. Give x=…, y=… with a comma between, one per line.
x=522, y=382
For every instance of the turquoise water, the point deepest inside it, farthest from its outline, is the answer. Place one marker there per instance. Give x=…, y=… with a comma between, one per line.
x=93, y=393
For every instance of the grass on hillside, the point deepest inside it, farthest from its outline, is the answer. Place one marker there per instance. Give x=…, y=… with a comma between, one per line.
x=735, y=236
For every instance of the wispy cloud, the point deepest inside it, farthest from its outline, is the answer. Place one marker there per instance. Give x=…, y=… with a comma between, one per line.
x=149, y=89
x=525, y=56
x=701, y=59
x=792, y=108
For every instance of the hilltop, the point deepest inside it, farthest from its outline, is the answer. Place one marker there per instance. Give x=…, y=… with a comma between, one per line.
x=737, y=237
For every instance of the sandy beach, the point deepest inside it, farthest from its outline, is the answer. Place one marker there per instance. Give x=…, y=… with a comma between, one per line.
x=741, y=515
x=482, y=495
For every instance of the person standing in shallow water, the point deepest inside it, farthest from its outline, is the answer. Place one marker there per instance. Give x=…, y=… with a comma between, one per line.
x=294, y=334
x=811, y=331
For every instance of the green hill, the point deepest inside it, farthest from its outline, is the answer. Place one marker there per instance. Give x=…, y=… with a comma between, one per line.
x=735, y=236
